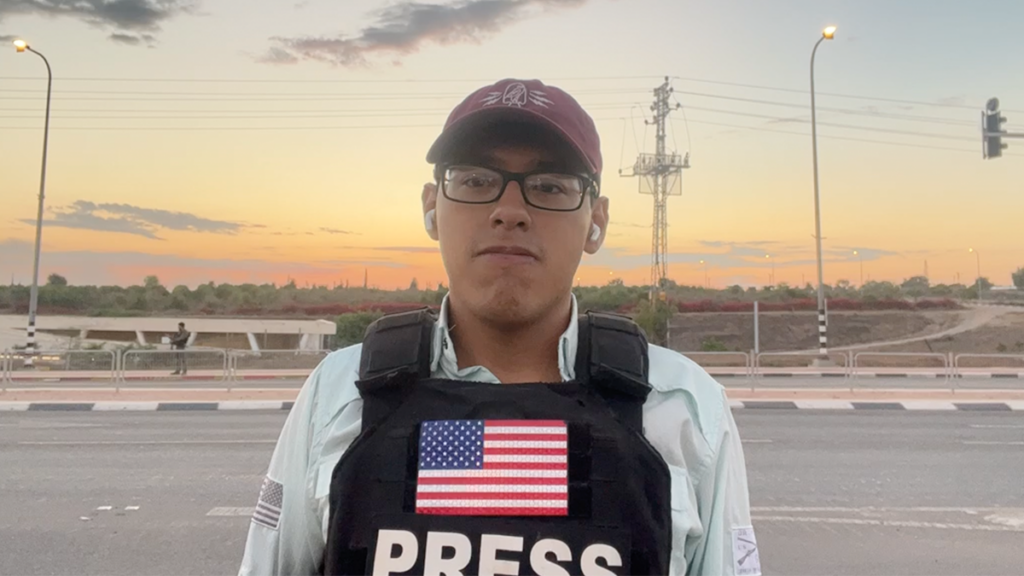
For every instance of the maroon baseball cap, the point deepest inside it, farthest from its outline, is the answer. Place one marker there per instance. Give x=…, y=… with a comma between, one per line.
x=526, y=100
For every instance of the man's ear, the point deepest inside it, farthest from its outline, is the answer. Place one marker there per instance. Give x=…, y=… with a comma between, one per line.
x=429, y=199
x=599, y=218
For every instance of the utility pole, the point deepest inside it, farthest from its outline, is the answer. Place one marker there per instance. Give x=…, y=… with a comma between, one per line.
x=660, y=175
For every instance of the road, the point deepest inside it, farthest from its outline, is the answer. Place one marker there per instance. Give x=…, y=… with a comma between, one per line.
x=879, y=382
x=841, y=493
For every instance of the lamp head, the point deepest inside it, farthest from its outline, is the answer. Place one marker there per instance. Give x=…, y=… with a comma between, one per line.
x=829, y=32
x=20, y=45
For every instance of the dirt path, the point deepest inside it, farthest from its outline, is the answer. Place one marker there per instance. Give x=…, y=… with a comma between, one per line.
x=975, y=318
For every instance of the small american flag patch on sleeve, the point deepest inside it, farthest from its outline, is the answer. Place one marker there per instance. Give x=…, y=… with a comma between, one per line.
x=268, y=509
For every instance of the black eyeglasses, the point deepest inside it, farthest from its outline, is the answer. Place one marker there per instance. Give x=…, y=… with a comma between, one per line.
x=541, y=189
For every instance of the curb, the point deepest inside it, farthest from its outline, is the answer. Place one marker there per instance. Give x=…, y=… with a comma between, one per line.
x=226, y=406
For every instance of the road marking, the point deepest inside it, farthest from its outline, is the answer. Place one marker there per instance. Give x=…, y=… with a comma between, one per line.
x=1014, y=426
x=824, y=404
x=231, y=511
x=105, y=508
x=118, y=406
x=890, y=523
x=757, y=441
x=875, y=509
x=131, y=508
x=991, y=443
x=144, y=442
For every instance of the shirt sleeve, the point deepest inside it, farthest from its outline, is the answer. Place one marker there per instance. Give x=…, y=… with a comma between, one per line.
x=728, y=546
x=284, y=533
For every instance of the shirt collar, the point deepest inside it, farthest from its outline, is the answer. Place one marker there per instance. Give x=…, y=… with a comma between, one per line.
x=445, y=364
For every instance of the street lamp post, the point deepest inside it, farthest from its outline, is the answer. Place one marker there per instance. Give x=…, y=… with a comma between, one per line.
x=861, y=257
x=977, y=257
x=30, y=348
x=771, y=278
x=707, y=283
x=826, y=34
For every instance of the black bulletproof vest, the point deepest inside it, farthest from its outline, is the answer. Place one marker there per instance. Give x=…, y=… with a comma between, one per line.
x=603, y=505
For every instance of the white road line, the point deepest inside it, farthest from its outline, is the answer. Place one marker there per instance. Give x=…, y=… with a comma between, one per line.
x=757, y=441
x=1013, y=426
x=991, y=443
x=231, y=511
x=889, y=523
x=144, y=442
x=874, y=509
x=118, y=406
x=928, y=405
x=823, y=404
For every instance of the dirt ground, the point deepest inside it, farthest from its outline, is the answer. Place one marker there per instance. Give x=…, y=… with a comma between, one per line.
x=785, y=331
x=1001, y=335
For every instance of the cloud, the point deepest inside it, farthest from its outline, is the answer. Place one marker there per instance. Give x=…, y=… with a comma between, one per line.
x=407, y=26
x=409, y=249
x=277, y=55
x=334, y=231
x=121, y=16
x=132, y=39
x=128, y=219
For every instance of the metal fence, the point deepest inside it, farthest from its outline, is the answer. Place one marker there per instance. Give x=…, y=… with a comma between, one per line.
x=881, y=362
x=994, y=363
x=273, y=363
x=722, y=359
x=62, y=363
x=769, y=363
x=160, y=364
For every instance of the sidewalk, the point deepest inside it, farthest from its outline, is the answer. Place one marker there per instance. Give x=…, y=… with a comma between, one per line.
x=282, y=399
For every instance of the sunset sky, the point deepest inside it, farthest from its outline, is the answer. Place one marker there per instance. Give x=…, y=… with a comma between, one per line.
x=257, y=141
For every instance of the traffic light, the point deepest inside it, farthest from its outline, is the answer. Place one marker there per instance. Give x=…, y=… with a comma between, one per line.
x=992, y=130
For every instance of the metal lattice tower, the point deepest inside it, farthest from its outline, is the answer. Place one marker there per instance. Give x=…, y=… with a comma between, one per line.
x=660, y=175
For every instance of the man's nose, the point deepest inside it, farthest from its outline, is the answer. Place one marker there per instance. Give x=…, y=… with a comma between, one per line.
x=511, y=210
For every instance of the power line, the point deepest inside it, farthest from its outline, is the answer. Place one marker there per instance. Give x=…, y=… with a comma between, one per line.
x=320, y=81
x=837, y=95
x=294, y=94
x=847, y=138
x=833, y=125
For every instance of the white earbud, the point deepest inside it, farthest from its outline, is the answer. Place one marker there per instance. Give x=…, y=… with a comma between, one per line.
x=428, y=220
x=595, y=232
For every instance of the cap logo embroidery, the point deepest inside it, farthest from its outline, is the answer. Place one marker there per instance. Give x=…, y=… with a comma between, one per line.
x=518, y=95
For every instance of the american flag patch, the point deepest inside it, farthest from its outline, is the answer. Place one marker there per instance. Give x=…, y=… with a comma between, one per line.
x=493, y=468
x=268, y=508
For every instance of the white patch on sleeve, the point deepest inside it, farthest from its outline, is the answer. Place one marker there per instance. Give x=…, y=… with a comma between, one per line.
x=746, y=559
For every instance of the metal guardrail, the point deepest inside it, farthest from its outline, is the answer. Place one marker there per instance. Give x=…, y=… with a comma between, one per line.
x=274, y=363
x=804, y=359
x=209, y=363
x=5, y=368
x=957, y=361
x=61, y=361
x=857, y=364
x=747, y=364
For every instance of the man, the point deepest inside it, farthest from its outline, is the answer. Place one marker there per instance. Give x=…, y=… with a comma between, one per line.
x=178, y=342
x=509, y=435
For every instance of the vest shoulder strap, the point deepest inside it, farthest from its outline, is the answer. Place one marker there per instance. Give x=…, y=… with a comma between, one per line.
x=398, y=343
x=612, y=356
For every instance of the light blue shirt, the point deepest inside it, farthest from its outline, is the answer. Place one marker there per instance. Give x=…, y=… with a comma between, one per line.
x=686, y=419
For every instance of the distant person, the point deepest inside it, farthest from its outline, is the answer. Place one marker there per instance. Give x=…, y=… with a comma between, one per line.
x=512, y=433
x=178, y=342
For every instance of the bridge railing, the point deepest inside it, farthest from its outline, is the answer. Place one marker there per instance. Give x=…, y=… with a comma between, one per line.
x=994, y=364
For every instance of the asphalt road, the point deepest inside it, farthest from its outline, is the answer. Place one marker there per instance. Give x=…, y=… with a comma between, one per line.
x=913, y=382
x=837, y=493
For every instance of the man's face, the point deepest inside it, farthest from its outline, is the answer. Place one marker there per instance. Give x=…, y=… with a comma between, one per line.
x=508, y=262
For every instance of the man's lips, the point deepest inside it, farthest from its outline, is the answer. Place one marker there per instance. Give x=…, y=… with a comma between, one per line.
x=508, y=251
